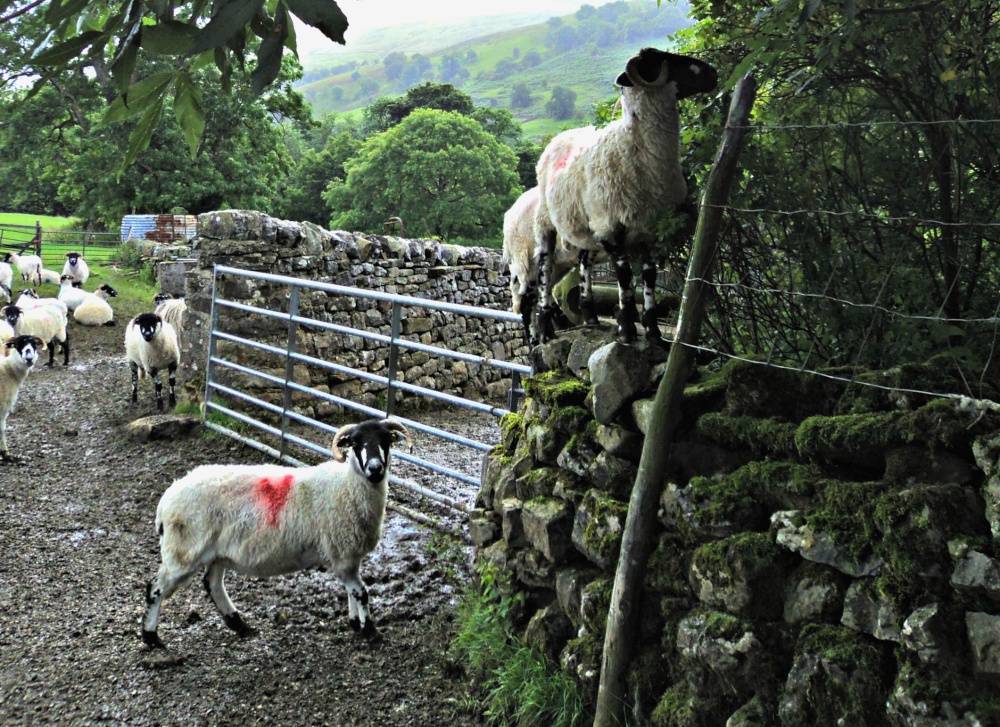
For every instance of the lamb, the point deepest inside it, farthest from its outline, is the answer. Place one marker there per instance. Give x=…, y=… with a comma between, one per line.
x=69, y=294
x=267, y=520
x=76, y=266
x=95, y=310
x=150, y=347
x=171, y=310
x=28, y=265
x=20, y=354
x=45, y=322
x=603, y=189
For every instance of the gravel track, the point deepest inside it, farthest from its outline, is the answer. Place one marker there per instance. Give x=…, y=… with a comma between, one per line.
x=76, y=533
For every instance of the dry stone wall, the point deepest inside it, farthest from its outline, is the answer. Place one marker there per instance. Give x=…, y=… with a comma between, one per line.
x=421, y=268
x=827, y=553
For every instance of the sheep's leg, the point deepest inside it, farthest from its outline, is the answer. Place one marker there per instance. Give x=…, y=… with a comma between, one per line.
x=65, y=348
x=615, y=247
x=357, y=601
x=649, y=298
x=172, y=382
x=529, y=303
x=52, y=352
x=546, y=250
x=164, y=584
x=215, y=585
x=158, y=385
x=587, y=308
x=135, y=381
x=4, y=453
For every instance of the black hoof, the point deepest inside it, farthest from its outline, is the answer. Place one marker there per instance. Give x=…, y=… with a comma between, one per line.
x=236, y=623
x=152, y=640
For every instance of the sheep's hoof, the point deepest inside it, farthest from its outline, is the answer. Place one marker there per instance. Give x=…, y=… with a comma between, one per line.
x=152, y=640
x=110, y=323
x=8, y=458
x=236, y=623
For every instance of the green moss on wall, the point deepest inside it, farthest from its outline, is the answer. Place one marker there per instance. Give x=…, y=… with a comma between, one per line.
x=762, y=436
x=822, y=437
x=845, y=512
x=556, y=388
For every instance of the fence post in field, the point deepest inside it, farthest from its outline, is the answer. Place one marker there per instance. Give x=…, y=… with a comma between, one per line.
x=38, y=238
x=623, y=614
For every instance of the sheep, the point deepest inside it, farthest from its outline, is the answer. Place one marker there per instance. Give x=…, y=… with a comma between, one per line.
x=520, y=256
x=150, y=347
x=28, y=265
x=20, y=354
x=29, y=298
x=6, y=280
x=76, y=266
x=51, y=277
x=69, y=294
x=267, y=520
x=95, y=310
x=46, y=322
x=602, y=189
x=171, y=310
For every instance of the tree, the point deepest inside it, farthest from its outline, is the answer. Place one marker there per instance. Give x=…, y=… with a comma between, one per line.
x=562, y=104
x=303, y=199
x=394, y=64
x=111, y=39
x=436, y=170
x=451, y=69
x=385, y=113
x=520, y=96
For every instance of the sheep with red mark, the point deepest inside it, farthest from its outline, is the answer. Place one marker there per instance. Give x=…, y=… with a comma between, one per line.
x=602, y=190
x=267, y=520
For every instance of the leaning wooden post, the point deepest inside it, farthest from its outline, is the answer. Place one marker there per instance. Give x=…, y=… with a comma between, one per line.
x=640, y=522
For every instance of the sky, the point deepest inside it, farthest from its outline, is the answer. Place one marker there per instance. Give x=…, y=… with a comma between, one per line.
x=366, y=15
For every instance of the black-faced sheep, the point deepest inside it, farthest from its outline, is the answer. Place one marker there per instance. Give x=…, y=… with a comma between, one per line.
x=95, y=309
x=603, y=189
x=70, y=293
x=76, y=266
x=171, y=310
x=46, y=322
x=28, y=265
x=20, y=354
x=150, y=347
x=266, y=520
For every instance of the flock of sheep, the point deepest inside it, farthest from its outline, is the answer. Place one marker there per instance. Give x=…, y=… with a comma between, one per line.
x=599, y=194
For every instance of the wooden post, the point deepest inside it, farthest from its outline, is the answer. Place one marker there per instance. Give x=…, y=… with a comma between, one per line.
x=38, y=238
x=623, y=615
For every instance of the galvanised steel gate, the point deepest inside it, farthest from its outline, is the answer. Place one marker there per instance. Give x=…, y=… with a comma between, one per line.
x=294, y=428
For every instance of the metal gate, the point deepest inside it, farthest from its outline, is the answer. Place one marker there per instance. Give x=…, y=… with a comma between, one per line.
x=294, y=430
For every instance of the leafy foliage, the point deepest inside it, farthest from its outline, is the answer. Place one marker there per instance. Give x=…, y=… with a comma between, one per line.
x=436, y=167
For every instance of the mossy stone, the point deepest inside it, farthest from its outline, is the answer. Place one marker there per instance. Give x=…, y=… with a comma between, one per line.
x=762, y=436
x=556, y=388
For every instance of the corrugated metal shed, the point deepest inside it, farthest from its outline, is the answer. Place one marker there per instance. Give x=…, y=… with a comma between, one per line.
x=159, y=228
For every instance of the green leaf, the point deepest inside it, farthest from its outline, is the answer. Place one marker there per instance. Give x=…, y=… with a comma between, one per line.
x=269, y=53
x=66, y=51
x=809, y=10
x=229, y=20
x=143, y=132
x=189, y=110
x=123, y=67
x=57, y=12
x=146, y=93
x=225, y=68
x=168, y=37
x=324, y=15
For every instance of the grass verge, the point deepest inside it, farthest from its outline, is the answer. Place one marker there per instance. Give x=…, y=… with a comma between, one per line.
x=519, y=685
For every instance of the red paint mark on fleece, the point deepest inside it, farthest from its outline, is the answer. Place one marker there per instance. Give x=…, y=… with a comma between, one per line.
x=272, y=494
x=560, y=162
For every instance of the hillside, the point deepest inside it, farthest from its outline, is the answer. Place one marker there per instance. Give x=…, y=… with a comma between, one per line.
x=517, y=68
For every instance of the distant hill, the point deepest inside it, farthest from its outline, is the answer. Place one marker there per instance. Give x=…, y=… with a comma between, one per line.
x=510, y=61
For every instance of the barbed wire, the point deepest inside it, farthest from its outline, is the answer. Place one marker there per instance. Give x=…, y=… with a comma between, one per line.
x=848, y=213
x=863, y=124
x=963, y=399
x=844, y=301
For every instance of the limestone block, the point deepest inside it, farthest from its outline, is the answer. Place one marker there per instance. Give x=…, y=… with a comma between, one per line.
x=548, y=524
x=984, y=638
x=597, y=528
x=570, y=583
x=513, y=526
x=795, y=535
x=618, y=374
x=868, y=611
x=816, y=594
x=484, y=527
x=977, y=574
x=548, y=631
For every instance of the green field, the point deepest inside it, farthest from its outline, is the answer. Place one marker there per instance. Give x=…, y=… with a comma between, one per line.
x=48, y=223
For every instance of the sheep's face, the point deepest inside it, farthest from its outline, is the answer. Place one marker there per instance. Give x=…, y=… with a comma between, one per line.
x=109, y=291
x=7, y=257
x=74, y=259
x=369, y=442
x=13, y=314
x=161, y=297
x=26, y=348
x=66, y=279
x=653, y=68
x=148, y=325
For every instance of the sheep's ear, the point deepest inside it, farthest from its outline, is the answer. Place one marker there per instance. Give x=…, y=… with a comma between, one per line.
x=343, y=435
x=398, y=432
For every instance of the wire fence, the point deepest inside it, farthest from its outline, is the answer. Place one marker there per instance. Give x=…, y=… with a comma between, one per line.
x=52, y=245
x=850, y=255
